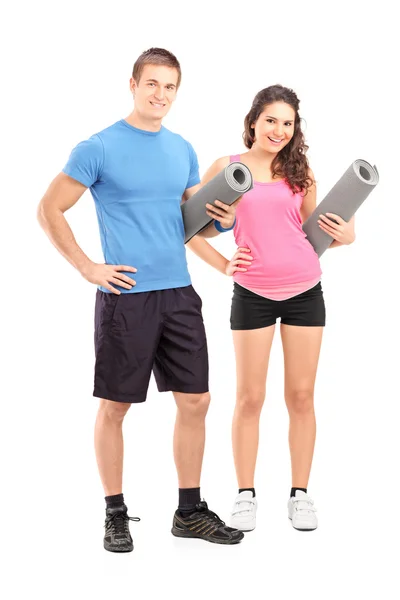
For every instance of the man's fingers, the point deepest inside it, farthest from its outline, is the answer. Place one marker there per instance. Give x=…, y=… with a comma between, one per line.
x=123, y=277
x=112, y=289
x=122, y=284
x=124, y=268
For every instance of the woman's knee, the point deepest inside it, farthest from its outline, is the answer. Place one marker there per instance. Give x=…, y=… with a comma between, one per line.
x=249, y=402
x=300, y=401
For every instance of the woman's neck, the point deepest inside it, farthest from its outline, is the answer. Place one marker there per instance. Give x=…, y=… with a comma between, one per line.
x=260, y=155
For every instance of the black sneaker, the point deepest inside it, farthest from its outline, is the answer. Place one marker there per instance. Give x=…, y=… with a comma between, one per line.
x=205, y=524
x=117, y=537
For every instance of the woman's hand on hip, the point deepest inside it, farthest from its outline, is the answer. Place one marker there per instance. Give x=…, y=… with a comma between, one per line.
x=240, y=260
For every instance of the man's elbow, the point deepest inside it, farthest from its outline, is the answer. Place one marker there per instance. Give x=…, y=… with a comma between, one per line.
x=45, y=214
x=41, y=214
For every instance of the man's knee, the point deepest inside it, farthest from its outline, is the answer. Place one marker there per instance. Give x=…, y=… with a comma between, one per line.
x=193, y=405
x=113, y=411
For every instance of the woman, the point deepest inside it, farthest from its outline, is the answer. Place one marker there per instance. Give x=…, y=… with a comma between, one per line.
x=276, y=273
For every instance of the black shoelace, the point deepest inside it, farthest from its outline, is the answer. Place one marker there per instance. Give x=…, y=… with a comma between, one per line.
x=209, y=514
x=118, y=521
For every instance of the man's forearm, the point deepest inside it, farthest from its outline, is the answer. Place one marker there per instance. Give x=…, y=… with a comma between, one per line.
x=60, y=234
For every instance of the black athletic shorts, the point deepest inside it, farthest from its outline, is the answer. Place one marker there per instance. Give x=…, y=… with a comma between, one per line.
x=252, y=311
x=160, y=331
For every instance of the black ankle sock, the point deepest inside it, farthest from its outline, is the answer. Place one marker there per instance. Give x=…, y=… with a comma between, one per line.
x=293, y=491
x=248, y=490
x=114, y=501
x=188, y=498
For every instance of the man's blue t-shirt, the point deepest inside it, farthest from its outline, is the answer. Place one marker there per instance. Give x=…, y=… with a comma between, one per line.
x=137, y=179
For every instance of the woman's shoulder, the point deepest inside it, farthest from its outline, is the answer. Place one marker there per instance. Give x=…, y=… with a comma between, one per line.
x=222, y=162
x=218, y=165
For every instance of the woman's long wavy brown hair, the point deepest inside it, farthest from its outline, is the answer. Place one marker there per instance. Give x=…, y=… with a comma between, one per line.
x=291, y=162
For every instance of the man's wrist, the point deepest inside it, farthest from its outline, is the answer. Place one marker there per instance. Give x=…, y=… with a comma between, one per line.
x=83, y=266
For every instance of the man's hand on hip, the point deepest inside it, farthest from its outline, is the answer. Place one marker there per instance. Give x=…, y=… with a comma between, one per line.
x=105, y=275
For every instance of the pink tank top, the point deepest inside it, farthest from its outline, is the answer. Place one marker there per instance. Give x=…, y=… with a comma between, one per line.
x=268, y=222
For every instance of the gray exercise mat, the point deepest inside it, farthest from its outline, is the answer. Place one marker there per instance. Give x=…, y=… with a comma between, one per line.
x=227, y=186
x=344, y=199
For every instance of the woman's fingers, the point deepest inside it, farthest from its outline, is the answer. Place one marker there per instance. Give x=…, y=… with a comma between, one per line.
x=327, y=227
x=241, y=262
x=330, y=223
x=245, y=256
x=212, y=210
x=329, y=230
x=336, y=218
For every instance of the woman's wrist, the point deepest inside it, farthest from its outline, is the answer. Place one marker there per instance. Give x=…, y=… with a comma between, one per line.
x=225, y=266
x=221, y=229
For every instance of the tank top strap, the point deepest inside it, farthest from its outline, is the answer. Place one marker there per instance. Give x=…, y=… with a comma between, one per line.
x=235, y=158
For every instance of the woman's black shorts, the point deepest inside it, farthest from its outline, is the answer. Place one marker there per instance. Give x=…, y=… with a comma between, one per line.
x=252, y=311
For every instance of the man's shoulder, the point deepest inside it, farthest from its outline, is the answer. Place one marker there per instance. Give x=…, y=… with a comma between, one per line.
x=177, y=137
x=108, y=131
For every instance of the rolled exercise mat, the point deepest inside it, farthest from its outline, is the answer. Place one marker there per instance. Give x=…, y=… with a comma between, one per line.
x=227, y=186
x=344, y=199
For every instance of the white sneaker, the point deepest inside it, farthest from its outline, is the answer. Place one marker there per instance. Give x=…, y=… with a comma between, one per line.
x=244, y=510
x=302, y=512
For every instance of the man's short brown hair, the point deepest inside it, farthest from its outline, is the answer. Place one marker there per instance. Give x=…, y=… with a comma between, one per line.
x=156, y=56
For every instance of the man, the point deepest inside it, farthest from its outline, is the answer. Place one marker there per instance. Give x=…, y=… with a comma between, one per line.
x=147, y=315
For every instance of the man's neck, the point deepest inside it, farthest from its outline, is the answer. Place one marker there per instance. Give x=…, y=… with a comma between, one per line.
x=137, y=121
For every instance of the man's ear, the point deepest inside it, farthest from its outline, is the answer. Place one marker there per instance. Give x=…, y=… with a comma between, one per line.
x=132, y=85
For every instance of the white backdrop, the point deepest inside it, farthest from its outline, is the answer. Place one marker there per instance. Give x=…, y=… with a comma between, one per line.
x=65, y=76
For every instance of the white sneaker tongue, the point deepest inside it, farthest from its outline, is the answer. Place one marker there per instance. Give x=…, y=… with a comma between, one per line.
x=300, y=494
x=246, y=495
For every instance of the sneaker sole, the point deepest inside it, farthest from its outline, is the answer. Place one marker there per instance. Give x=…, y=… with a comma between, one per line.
x=298, y=528
x=243, y=530
x=251, y=525
x=189, y=535
x=116, y=549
